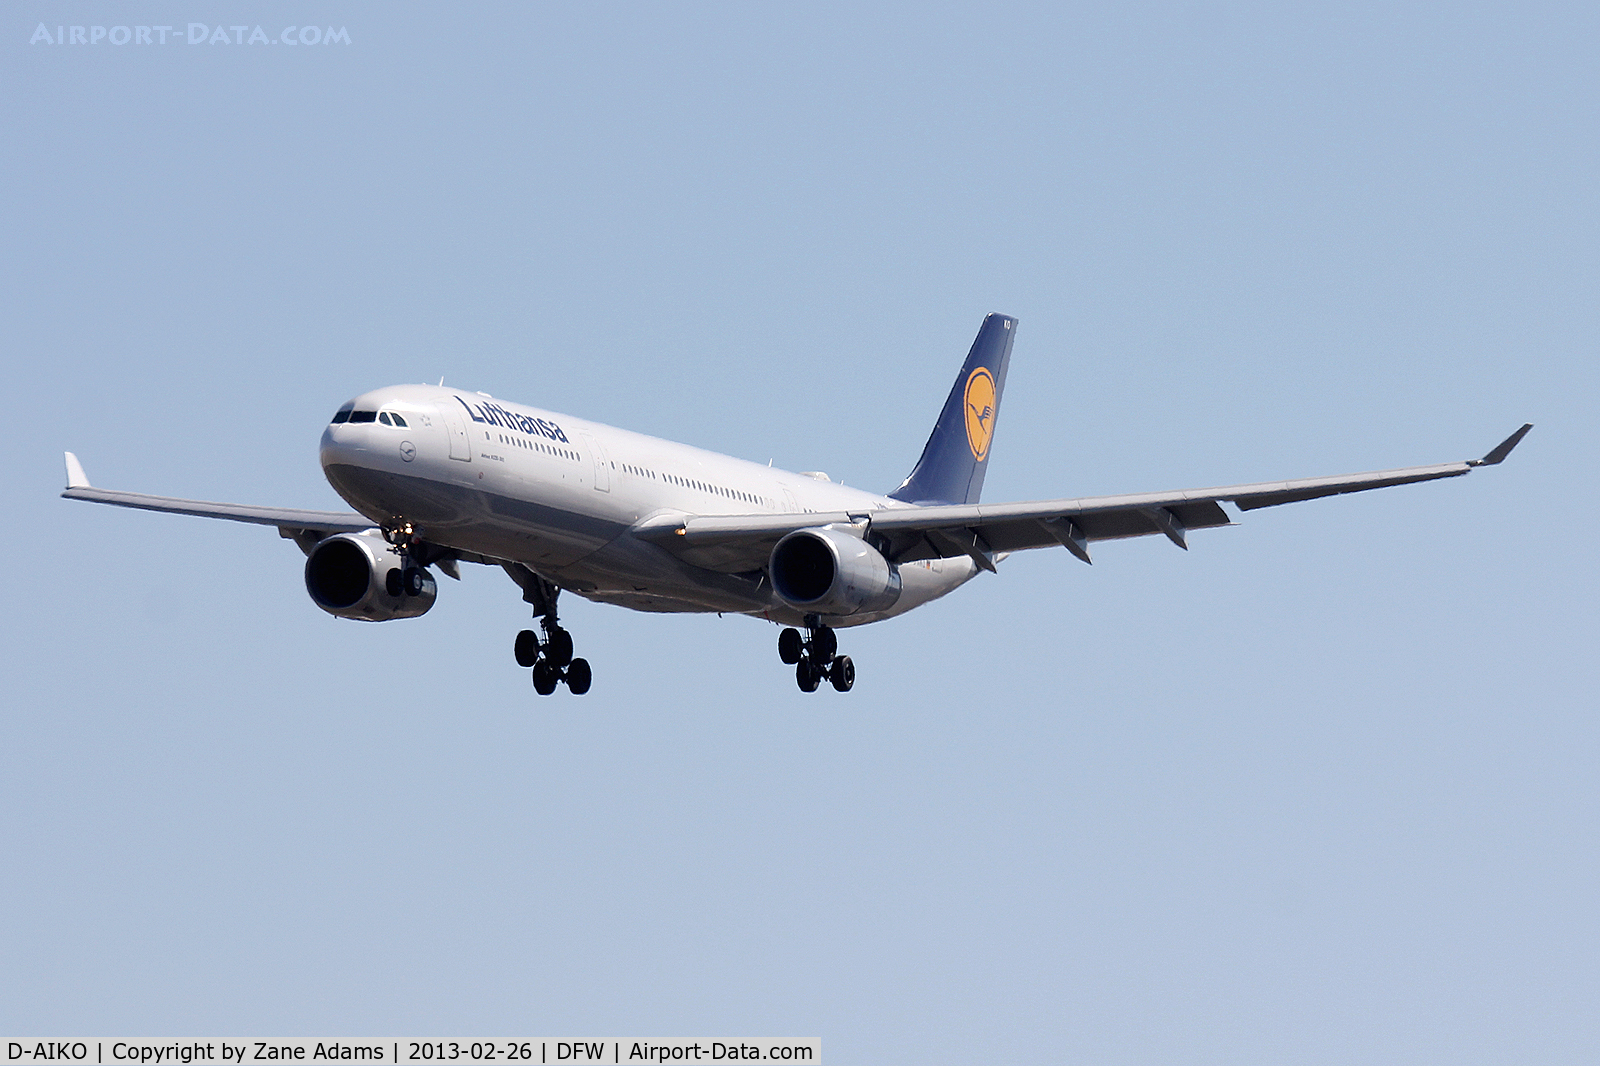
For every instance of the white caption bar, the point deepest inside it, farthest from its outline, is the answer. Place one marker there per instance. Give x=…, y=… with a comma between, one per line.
x=393, y=1052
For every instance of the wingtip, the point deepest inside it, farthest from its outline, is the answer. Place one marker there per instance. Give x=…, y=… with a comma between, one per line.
x=1503, y=449
x=76, y=478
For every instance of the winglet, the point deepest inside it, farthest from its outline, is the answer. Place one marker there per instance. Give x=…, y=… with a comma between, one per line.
x=1503, y=449
x=76, y=478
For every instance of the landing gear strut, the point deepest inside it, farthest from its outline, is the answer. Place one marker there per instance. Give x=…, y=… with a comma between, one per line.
x=550, y=658
x=815, y=657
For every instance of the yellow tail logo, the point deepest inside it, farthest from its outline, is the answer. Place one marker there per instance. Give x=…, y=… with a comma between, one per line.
x=980, y=412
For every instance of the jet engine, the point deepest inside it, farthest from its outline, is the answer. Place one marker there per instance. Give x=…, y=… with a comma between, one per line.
x=829, y=572
x=349, y=576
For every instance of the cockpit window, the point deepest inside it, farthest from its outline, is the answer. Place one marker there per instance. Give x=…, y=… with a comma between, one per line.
x=363, y=416
x=383, y=416
x=395, y=415
x=342, y=414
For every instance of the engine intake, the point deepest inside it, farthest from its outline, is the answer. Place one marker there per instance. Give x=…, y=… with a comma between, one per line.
x=826, y=571
x=347, y=575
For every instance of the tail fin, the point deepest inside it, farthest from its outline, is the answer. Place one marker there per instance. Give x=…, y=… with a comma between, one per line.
x=952, y=464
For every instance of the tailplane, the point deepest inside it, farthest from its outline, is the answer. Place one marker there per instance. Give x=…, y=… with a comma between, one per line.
x=952, y=464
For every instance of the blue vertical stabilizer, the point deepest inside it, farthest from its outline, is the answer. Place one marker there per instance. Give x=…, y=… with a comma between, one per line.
x=952, y=465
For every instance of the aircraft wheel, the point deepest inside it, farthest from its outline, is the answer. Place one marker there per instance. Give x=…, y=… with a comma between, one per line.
x=790, y=647
x=558, y=647
x=412, y=580
x=843, y=674
x=544, y=678
x=823, y=645
x=391, y=582
x=579, y=676
x=807, y=676
x=527, y=648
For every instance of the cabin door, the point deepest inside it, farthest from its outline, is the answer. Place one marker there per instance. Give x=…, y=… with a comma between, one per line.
x=602, y=468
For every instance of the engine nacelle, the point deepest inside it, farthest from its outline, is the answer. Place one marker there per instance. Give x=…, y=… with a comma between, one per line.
x=825, y=571
x=347, y=575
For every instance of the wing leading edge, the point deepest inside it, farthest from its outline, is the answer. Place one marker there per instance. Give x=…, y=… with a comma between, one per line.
x=291, y=522
x=743, y=542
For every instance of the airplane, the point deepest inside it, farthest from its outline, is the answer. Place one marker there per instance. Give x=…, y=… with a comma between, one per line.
x=438, y=476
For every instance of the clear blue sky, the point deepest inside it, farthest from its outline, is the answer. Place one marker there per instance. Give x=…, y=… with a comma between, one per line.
x=1320, y=790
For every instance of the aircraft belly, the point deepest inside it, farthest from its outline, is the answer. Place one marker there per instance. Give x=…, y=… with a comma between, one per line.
x=635, y=573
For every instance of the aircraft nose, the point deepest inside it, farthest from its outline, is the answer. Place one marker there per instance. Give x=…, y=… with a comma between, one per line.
x=328, y=447
x=340, y=443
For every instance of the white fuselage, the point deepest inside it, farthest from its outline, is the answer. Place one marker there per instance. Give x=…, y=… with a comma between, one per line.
x=562, y=496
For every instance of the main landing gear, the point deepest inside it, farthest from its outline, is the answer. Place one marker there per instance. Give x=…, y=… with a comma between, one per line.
x=551, y=658
x=816, y=657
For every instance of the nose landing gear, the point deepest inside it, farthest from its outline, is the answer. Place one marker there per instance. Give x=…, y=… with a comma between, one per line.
x=816, y=657
x=408, y=578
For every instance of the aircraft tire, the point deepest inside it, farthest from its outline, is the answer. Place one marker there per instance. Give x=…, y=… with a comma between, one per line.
x=790, y=646
x=544, y=678
x=527, y=648
x=843, y=674
x=411, y=580
x=392, y=583
x=824, y=644
x=579, y=676
x=558, y=648
x=807, y=676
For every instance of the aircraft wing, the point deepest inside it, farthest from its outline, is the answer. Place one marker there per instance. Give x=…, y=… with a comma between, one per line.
x=981, y=531
x=291, y=522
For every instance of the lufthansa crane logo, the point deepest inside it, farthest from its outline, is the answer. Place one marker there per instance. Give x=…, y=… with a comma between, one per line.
x=979, y=400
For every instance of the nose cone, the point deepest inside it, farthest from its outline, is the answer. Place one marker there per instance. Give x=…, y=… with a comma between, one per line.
x=336, y=440
x=342, y=441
